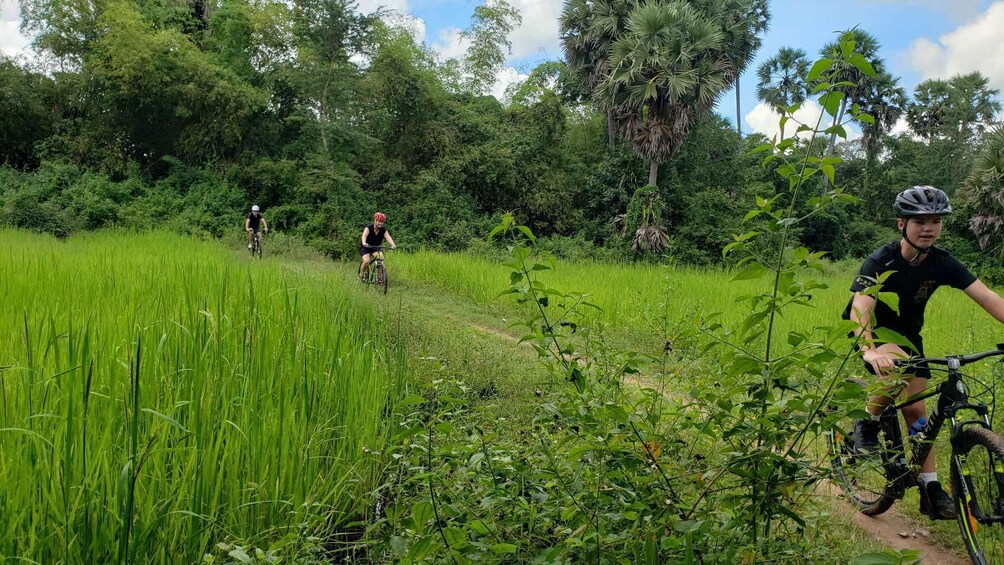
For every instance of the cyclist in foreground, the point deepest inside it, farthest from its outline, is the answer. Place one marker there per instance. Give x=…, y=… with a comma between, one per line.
x=919, y=268
x=254, y=223
x=373, y=236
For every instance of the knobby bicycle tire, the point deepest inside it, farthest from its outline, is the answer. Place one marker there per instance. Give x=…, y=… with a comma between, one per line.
x=381, y=277
x=861, y=477
x=979, y=462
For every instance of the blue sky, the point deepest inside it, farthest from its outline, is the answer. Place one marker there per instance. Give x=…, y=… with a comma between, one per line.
x=920, y=38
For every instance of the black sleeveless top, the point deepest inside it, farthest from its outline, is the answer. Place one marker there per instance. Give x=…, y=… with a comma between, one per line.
x=375, y=236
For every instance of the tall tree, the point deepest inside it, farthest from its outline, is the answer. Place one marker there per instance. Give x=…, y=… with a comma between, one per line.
x=866, y=47
x=588, y=30
x=666, y=70
x=885, y=101
x=984, y=191
x=744, y=25
x=953, y=116
x=488, y=34
x=781, y=80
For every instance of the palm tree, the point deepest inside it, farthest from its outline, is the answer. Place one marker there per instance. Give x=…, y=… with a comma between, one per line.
x=666, y=70
x=745, y=22
x=868, y=47
x=885, y=101
x=984, y=191
x=588, y=29
x=781, y=80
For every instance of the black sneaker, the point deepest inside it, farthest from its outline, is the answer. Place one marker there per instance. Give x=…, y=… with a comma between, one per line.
x=936, y=503
x=866, y=435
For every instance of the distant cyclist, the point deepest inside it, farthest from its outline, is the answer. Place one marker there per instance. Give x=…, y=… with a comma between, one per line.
x=255, y=223
x=373, y=236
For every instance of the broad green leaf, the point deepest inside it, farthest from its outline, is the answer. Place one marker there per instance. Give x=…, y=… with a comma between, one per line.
x=752, y=271
x=421, y=513
x=831, y=102
x=820, y=67
x=862, y=64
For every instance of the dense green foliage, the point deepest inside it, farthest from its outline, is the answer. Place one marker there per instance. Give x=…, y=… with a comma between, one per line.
x=178, y=115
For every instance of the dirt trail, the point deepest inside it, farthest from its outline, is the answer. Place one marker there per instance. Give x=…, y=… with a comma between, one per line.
x=892, y=529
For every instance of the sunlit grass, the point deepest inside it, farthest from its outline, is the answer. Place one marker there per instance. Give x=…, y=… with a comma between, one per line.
x=631, y=294
x=260, y=397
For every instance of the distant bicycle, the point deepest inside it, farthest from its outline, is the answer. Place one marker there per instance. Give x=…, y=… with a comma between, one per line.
x=377, y=274
x=255, y=248
x=873, y=482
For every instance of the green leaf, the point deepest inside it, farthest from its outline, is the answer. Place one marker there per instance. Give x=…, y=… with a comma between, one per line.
x=504, y=548
x=862, y=64
x=752, y=271
x=831, y=102
x=829, y=172
x=411, y=400
x=890, y=299
x=495, y=231
x=874, y=559
x=421, y=513
x=526, y=231
x=866, y=118
x=166, y=418
x=239, y=554
x=455, y=537
x=820, y=67
x=837, y=130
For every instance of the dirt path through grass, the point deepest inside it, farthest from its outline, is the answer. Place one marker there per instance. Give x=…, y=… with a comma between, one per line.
x=475, y=341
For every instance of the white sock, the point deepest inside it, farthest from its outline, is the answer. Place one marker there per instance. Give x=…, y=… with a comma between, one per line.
x=925, y=478
x=874, y=417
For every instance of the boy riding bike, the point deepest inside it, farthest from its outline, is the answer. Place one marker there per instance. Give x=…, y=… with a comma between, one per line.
x=255, y=223
x=919, y=269
x=373, y=236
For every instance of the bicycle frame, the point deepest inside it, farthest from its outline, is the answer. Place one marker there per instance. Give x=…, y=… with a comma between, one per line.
x=952, y=398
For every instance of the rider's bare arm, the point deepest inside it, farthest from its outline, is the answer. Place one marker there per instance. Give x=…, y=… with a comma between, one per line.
x=987, y=299
x=247, y=224
x=390, y=240
x=264, y=225
x=362, y=240
x=882, y=359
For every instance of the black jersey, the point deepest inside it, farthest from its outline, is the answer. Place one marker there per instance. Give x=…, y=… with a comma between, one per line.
x=375, y=236
x=913, y=284
x=254, y=221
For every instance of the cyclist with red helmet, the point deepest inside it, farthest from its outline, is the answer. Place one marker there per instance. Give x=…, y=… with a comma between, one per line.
x=918, y=269
x=373, y=236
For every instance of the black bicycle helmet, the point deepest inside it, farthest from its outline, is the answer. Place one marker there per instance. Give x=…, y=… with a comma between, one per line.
x=922, y=201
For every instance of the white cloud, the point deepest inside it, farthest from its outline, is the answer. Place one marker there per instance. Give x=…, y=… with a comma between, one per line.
x=449, y=43
x=763, y=119
x=960, y=10
x=538, y=33
x=503, y=79
x=412, y=24
x=974, y=46
x=901, y=126
x=12, y=43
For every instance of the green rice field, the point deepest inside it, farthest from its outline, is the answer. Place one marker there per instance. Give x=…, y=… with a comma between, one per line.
x=631, y=293
x=160, y=395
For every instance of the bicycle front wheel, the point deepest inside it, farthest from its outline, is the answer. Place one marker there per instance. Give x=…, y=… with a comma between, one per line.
x=978, y=491
x=381, y=277
x=862, y=477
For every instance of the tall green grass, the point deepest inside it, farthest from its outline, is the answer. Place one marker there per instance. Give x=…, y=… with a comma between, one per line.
x=158, y=396
x=632, y=294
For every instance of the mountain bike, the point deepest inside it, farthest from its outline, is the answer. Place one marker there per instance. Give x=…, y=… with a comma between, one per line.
x=256, y=245
x=874, y=481
x=377, y=274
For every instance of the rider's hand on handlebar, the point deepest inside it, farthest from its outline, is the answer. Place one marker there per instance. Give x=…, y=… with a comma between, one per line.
x=881, y=361
x=393, y=247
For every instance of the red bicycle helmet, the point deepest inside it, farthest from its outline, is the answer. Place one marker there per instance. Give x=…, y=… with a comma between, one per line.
x=379, y=217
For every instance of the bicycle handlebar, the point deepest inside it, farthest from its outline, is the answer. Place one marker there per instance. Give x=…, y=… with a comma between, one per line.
x=378, y=247
x=962, y=359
